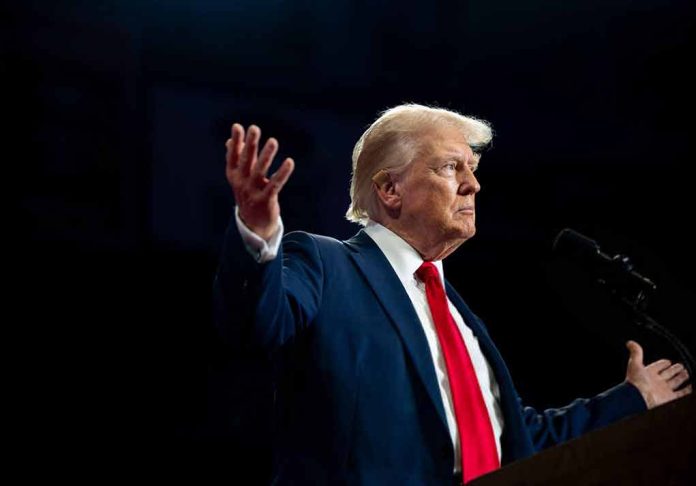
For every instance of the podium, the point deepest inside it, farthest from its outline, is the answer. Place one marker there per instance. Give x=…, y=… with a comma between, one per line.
x=657, y=447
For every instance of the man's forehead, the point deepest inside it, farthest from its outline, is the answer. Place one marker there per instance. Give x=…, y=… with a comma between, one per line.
x=449, y=148
x=446, y=138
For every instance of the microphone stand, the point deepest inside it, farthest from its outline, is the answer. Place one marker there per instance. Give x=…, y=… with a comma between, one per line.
x=634, y=298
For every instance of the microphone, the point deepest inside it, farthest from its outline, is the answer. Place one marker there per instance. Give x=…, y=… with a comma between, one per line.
x=615, y=271
x=623, y=281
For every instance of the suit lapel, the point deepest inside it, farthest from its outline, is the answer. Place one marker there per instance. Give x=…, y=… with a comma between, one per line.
x=393, y=297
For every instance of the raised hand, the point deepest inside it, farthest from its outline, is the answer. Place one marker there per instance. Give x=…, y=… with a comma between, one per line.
x=256, y=195
x=658, y=382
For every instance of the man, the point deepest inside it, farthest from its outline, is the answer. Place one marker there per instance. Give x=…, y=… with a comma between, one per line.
x=385, y=376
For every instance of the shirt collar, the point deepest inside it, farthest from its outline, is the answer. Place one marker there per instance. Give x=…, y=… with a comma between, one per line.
x=404, y=259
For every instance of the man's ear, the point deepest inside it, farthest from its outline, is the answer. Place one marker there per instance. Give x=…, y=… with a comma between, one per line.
x=387, y=191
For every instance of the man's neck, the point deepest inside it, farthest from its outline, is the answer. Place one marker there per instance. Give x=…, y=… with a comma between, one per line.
x=428, y=250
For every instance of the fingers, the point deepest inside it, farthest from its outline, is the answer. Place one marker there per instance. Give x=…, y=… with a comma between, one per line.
x=250, y=149
x=242, y=154
x=243, y=159
x=660, y=365
x=278, y=180
x=269, y=151
x=672, y=371
x=636, y=352
x=684, y=392
x=234, y=146
x=675, y=375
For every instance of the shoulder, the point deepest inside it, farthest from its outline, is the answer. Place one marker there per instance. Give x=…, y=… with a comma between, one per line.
x=328, y=251
x=311, y=239
x=320, y=242
x=318, y=246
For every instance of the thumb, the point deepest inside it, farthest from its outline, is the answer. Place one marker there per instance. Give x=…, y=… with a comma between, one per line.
x=636, y=353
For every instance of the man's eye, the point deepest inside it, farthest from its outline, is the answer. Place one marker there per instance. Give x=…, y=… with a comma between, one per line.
x=450, y=166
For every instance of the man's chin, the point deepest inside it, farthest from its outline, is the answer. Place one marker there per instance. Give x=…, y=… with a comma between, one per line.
x=470, y=233
x=467, y=228
x=464, y=232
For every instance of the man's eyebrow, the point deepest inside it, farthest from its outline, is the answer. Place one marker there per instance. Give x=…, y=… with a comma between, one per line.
x=459, y=157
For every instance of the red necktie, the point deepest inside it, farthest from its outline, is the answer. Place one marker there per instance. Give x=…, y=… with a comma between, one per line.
x=479, y=452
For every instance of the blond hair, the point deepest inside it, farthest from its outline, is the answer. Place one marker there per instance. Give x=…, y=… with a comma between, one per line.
x=393, y=141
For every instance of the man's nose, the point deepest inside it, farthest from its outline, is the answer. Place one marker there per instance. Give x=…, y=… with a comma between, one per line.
x=469, y=184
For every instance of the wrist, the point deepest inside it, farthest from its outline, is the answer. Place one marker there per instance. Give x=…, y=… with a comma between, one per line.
x=647, y=396
x=264, y=232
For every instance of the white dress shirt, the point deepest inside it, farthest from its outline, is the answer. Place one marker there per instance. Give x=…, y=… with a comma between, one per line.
x=405, y=260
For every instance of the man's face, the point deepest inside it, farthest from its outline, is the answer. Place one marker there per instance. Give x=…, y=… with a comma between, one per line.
x=438, y=189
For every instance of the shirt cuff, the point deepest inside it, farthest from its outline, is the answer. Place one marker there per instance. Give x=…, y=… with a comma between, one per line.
x=263, y=251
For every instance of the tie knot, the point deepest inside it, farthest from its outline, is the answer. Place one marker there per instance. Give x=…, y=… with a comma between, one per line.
x=427, y=271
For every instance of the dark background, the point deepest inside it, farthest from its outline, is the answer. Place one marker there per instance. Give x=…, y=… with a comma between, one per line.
x=116, y=114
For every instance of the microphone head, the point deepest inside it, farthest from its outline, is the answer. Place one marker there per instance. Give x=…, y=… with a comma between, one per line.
x=574, y=245
x=616, y=272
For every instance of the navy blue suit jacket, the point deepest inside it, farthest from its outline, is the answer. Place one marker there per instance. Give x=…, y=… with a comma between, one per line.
x=357, y=397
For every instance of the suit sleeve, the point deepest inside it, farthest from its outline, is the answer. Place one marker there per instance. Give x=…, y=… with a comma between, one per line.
x=267, y=303
x=554, y=426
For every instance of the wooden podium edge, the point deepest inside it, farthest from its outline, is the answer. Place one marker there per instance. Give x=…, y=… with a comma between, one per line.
x=654, y=447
